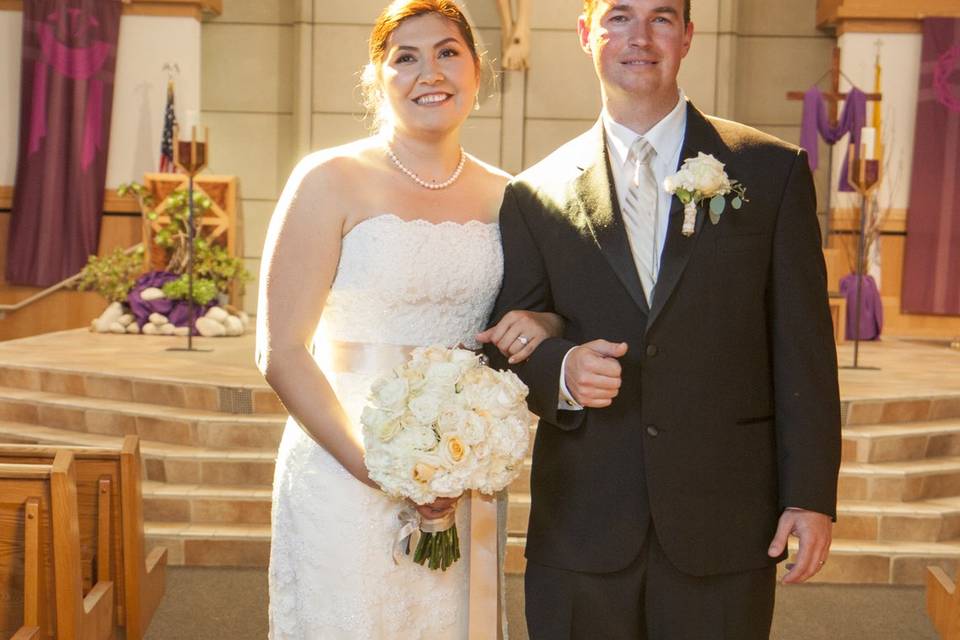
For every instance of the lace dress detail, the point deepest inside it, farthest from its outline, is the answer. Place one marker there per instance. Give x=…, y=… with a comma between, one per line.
x=332, y=575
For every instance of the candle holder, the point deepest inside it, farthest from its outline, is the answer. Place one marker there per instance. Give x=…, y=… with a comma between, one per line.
x=190, y=156
x=863, y=175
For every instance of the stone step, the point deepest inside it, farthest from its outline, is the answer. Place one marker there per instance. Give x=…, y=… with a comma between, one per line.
x=850, y=562
x=902, y=441
x=174, y=425
x=156, y=386
x=206, y=504
x=917, y=408
x=898, y=481
x=902, y=481
x=211, y=545
x=177, y=464
x=900, y=563
x=922, y=521
x=935, y=520
x=521, y=484
x=518, y=513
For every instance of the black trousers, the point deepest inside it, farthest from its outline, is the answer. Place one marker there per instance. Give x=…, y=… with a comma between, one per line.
x=649, y=600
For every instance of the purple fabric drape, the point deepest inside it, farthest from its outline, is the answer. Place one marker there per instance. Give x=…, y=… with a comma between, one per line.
x=871, y=307
x=177, y=311
x=931, y=265
x=815, y=121
x=67, y=76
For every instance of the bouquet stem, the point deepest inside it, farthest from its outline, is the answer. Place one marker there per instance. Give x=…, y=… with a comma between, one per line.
x=439, y=545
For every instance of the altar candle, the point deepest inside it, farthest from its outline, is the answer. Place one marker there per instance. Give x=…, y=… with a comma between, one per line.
x=191, y=119
x=868, y=142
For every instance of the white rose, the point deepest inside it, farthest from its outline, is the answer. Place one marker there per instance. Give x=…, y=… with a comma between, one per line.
x=473, y=429
x=381, y=424
x=426, y=406
x=443, y=373
x=391, y=393
x=462, y=356
x=708, y=175
x=417, y=438
x=452, y=419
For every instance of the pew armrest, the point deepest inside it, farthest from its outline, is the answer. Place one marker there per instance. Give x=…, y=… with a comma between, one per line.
x=154, y=583
x=27, y=633
x=98, y=610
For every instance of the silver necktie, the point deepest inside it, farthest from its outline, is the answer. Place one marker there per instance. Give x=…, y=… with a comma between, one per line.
x=640, y=214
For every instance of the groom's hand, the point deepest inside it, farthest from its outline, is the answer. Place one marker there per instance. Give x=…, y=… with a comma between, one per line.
x=592, y=373
x=815, y=531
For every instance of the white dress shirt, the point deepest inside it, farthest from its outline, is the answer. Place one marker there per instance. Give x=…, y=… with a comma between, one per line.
x=666, y=138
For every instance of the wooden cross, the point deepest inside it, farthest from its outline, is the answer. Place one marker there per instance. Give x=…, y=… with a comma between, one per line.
x=834, y=96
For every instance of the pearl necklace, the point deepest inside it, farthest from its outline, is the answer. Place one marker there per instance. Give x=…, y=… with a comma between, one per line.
x=434, y=186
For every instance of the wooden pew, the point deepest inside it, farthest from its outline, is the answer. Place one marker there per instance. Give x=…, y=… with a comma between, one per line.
x=943, y=604
x=139, y=581
x=52, y=583
x=25, y=574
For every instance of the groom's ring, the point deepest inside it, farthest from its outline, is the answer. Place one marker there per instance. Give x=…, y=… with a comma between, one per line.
x=523, y=340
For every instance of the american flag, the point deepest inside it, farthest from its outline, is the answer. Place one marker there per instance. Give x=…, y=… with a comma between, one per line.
x=166, y=145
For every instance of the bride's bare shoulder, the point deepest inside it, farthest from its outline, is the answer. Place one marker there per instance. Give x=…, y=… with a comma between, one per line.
x=492, y=175
x=339, y=165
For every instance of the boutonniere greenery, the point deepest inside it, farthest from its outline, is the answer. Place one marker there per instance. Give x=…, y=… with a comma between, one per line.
x=703, y=179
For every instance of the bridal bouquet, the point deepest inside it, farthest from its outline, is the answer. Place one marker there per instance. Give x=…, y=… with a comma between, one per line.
x=438, y=425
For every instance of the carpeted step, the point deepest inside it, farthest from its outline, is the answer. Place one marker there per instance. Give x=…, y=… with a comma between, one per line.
x=159, y=423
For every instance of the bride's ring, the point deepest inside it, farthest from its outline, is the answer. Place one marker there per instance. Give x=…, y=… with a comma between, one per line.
x=523, y=340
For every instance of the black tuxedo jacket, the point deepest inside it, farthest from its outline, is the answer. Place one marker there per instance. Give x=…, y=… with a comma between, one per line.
x=729, y=407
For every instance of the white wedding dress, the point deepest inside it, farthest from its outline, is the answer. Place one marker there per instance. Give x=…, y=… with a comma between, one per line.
x=332, y=574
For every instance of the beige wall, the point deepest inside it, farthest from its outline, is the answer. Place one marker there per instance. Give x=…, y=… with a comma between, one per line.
x=779, y=49
x=247, y=98
x=280, y=78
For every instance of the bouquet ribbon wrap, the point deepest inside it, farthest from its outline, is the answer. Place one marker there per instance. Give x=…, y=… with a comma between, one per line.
x=484, y=605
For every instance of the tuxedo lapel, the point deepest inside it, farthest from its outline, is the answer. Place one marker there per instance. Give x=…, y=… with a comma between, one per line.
x=601, y=210
x=699, y=136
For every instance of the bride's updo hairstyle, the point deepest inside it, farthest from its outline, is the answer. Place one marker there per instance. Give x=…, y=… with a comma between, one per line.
x=391, y=18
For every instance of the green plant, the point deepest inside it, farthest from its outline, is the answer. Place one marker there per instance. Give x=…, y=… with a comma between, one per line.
x=113, y=275
x=204, y=289
x=211, y=261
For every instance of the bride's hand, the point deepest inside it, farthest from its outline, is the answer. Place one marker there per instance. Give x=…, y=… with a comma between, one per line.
x=436, y=509
x=519, y=333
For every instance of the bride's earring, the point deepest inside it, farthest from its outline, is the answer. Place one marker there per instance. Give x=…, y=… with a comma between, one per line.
x=476, y=102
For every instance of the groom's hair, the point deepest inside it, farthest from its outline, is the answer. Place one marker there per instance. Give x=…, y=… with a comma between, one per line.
x=590, y=5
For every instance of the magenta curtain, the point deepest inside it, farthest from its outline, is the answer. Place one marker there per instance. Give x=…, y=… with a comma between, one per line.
x=67, y=76
x=931, y=269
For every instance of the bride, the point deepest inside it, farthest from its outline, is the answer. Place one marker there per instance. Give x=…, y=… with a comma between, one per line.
x=375, y=247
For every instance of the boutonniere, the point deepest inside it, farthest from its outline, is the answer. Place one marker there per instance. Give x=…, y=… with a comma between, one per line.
x=703, y=178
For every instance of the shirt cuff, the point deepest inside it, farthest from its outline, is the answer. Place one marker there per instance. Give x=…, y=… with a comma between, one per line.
x=566, y=401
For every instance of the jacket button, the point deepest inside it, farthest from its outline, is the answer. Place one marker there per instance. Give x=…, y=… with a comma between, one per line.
x=653, y=431
x=652, y=350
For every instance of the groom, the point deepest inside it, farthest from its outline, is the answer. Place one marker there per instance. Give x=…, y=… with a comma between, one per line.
x=690, y=412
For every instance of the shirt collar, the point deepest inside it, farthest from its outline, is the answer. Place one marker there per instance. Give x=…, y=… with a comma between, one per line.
x=665, y=136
